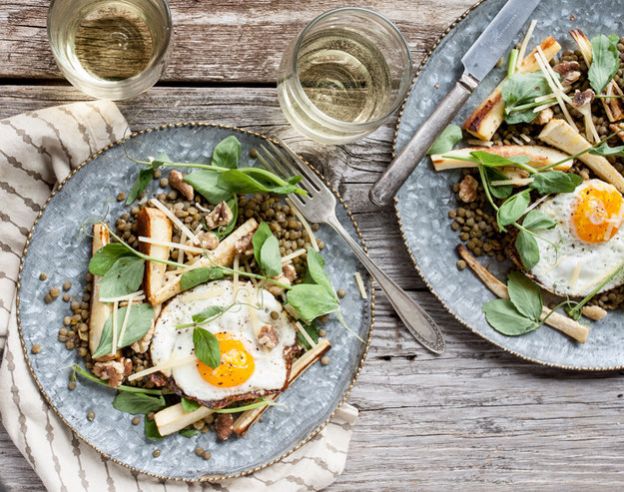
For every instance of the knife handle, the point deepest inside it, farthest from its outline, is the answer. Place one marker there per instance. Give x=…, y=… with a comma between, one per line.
x=399, y=170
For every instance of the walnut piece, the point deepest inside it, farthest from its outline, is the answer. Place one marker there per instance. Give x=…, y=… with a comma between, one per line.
x=267, y=337
x=113, y=371
x=220, y=216
x=468, y=189
x=224, y=426
x=288, y=275
x=176, y=181
x=243, y=245
x=581, y=99
x=569, y=71
x=544, y=116
x=158, y=379
x=207, y=240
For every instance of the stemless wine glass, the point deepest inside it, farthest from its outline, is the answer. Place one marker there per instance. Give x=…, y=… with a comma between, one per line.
x=110, y=49
x=345, y=73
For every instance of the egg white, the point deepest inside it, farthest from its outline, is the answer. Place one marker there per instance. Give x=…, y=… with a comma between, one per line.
x=574, y=268
x=241, y=322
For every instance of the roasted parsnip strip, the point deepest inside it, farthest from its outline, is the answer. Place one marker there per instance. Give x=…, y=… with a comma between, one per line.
x=223, y=255
x=485, y=120
x=562, y=136
x=100, y=311
x=173, y=419
x=156, y=226
x=248, y=418
x=558, y=321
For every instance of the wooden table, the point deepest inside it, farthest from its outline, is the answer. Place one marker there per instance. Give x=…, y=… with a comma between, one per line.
x=474, y=417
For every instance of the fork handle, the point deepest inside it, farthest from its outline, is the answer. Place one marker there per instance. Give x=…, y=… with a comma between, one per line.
x=421, y=326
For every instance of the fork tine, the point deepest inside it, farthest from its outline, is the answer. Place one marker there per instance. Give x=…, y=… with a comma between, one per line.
x=308, y=173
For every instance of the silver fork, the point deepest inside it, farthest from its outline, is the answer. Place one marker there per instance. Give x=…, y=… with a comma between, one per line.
x=319, y=206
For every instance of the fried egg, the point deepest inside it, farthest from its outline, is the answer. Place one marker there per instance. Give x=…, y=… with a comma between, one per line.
x=587, y=243
x=246, y=367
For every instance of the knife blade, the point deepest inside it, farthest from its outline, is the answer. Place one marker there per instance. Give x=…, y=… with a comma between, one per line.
x=478, y=61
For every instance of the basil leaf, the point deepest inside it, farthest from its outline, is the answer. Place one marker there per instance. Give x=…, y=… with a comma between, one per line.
x=270, y=257
x=140, y=184
x=227, y=230
x=124, y=277
x=500, y=192
x=139, y=322
x=313, y=332
x=311, y=301
x=537, y=220
x=605, y=150
x=527, y=249
x=206, y=347
x=492, y=160
x=138, y=403
x=525, y=296
x=555, y=182
x=206, y=183
x=316, y=271
x=504, y=318
x=200, y=276
x=188, y=433
x=445, y=142
x=263, y=232
x=513, y=208
x=206, y=314
x=151, y=430
x=189, y=405
x=520, y=89
x=605, y=62
x=239, y=181
x=227, y=153
x=105, y=258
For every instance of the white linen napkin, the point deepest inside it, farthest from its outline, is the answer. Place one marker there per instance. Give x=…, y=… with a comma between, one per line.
x=37, y=150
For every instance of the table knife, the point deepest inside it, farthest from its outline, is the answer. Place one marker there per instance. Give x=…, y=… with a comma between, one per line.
x=478, y=61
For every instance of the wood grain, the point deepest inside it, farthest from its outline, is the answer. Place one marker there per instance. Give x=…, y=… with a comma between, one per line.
x=220, y=41
x=474, y=417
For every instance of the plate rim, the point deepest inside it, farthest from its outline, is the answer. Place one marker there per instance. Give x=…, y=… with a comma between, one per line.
x=204, y=478
x=415, y=263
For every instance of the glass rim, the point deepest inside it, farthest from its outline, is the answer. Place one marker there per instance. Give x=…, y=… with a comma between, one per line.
x=295, y=67
x=153, y=62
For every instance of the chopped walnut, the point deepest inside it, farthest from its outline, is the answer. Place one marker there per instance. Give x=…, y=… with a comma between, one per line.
x=158, y=379
x=113, y=371
x=581, y=99
x=468, y=189
x=544, y=116
x=289, y=271
x=224, y=426
x=243, y=245
x=569, y=71
x=220, y=216
x=207, y=240
x=267, y=337
x=288, y=275
x=176, y=181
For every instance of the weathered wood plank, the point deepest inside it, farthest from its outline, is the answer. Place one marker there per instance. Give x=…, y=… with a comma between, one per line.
x=475, y=416
x=229, y=41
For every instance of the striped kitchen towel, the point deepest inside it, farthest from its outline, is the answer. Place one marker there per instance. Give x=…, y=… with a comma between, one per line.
x=37, y=150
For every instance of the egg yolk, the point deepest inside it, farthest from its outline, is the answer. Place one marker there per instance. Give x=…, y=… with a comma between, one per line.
x=237, y=365
x=597, y=214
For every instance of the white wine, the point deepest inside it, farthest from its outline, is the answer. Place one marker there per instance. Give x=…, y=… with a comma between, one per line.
x=110, y=43
x=339, y=81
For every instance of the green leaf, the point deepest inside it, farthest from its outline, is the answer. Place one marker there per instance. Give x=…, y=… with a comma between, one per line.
x=151, y=430
x=227, y=153
x=189, y=405
x=208, y=313
x=206, y=183
x=525, y=296
x=143, y=180
x=521, y=89
x=537, y=220
x=139, y=322
x=311, y=301
x=255, y=180
x=605, y=62
x=206, y=347
x=492, y=160
x=504, y=318
x=445, y=142
x=527, y=249
x=124, y=277
x=313, y=331
x=500, y=192
x=555, y=182
x=188, y=432
x=105, y=258
x=270, y=257
x=200, y=276
x=604, y=150
x=227, y=230
x=513, y=208
x=138, y=403
x=316, y=271
x=263, y=232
